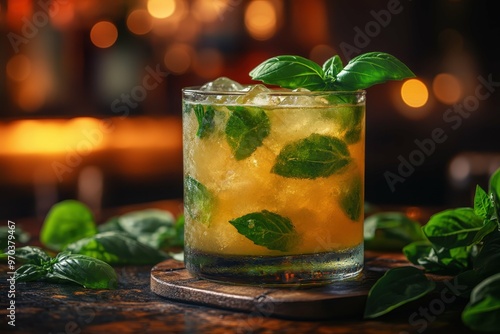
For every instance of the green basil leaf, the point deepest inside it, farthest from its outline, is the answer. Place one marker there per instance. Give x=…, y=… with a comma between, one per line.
x=198, y=201
x=179, y=228
x=483, y=205
x=153, y=227
x=486, y=262
x=446, y=261
x=112, y=224
x=369, y=69
x=246, y=129
x=19, y=235
x=494, y=189
x=481, y=314
x=453, y=228
x=84, y=270
x=391, y=231
x=332, y=67
x=488, y=227
x=66, y=222
x=312, y=157
x=267, y=229
x=205, y=116
x=351, y=198
x=29, y=272
x=32, y=255
x=116, y=248
x=349, y=120
x=397, y=287
x=290, y=72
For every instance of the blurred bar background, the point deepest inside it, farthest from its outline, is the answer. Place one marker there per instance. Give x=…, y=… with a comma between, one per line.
x=90, y=91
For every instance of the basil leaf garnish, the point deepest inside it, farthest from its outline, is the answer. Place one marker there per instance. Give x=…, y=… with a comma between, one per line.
x=198, y=200
x=267, y=229
x=312, y=157
x=351, y=198
x=205, y=116
x=333, y=66
x=369, y=69
x=397, y=287
x=290, y=72
x=246, y=129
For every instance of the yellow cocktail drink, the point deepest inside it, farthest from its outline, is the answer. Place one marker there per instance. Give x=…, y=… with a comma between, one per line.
x=273, y=184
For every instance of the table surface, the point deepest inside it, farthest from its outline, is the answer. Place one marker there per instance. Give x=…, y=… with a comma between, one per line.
x=132, y=308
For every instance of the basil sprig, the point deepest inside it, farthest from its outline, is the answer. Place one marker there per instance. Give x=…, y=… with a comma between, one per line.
x=65, y=267
x=464, y=243
x=361, y=72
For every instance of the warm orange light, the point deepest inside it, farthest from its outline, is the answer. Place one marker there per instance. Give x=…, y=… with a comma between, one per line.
x=209, y=10
x=447, y=88
x=414, y=93
x=83, y=135
x=16, y=11
x=208, y=63
x=261, y=19
x=65, y=14
x=161, y=9
x=18, y=67
x=31, y=96
x=103, y=34
x=178, y=58
x=139, y=22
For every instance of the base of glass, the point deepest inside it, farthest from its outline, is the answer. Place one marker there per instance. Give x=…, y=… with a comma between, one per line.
x=279, y=271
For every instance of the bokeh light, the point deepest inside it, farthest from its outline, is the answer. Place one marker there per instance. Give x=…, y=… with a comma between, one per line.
x=447, y=88
x=161, y=9
x=208, y=10
x=139, y=22
x=178, y=58
x=19, y=67
x=414, y=93
x=103, y=34
x=208, y=63
x=261, y=19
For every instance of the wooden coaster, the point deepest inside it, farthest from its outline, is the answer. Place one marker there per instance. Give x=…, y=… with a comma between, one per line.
x=170, y=279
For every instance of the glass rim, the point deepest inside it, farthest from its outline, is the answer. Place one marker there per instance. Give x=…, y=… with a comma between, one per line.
x=274, y=91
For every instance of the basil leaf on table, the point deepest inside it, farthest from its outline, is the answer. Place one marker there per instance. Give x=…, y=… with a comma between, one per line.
x=453, y=228
x=246, y=129
x=153, y=227
x=312, y=157
x=397, y=287
x=481, y=313
x=483, y=204
x=267, y=229
x=30, y=272
x=84, y=270
x=439, y=261
x=32, y=255
x=66, y=222
x=369, y=69
x=290, y=72
x=391, y=231
x=116, y=248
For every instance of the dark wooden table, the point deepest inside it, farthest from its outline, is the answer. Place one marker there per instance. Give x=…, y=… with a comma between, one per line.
x=133, y=308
